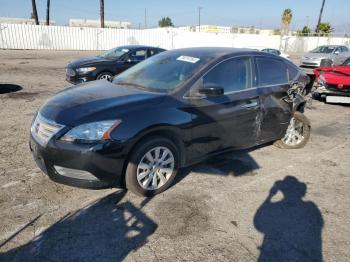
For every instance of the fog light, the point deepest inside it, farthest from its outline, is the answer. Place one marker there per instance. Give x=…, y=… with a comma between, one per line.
x=74, y=173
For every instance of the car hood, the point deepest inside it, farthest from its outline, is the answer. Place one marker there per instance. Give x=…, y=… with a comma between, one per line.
x=96, y=101
x=316, y=55
x=87, y=61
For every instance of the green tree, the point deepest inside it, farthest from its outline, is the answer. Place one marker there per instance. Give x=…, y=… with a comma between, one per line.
x=277, y=31
x=287, y=17
x=324, y=29
x=165, y=22
x=304, y=32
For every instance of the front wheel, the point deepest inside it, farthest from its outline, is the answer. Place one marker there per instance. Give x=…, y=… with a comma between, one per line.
x=105, y=76
x=297, y=134
x=152, y=166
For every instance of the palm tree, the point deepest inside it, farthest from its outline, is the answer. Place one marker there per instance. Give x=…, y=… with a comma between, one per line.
x=35, y=13
x=320, y=16
x=102, y=13
x=48, y=12
x=287, y=19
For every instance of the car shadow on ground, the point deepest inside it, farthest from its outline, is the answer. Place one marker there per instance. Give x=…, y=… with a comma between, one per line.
x=9, y=88
x=106, y=230
x=233, y=163
x=292, y=227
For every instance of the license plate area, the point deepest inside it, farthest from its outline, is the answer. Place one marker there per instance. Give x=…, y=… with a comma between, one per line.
x=338, y=99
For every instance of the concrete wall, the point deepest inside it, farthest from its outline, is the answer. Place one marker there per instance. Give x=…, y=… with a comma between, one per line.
x=15, y=36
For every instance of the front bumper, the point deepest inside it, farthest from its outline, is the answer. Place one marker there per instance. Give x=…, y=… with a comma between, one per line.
x=74, y=78
x=310, y=63
x=81, y=165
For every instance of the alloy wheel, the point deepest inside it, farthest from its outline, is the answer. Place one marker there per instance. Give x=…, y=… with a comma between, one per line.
x=106, y=77
x=155, y=168
x=295, y=133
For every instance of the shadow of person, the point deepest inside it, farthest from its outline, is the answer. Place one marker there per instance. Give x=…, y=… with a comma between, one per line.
x=292, y=227
x=103, y=231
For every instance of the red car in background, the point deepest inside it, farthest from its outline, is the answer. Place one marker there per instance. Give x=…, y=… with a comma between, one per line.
x=333, y=83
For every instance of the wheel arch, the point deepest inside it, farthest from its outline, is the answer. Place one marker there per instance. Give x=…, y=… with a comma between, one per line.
x=104, y=71
x=169, y=132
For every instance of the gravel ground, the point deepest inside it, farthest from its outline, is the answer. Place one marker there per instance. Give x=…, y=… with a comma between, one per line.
x=265, y=203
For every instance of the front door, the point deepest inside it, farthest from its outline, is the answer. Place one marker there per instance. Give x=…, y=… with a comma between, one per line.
x=229, y=120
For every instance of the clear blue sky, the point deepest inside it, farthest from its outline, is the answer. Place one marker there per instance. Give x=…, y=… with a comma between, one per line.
x=265, y=13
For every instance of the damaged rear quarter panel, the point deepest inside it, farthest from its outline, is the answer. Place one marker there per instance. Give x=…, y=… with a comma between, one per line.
x=275, y=112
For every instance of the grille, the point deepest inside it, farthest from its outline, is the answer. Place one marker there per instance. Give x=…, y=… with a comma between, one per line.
x=335, y=88
x=43, y=130
x=70, y=72
x=309, y=63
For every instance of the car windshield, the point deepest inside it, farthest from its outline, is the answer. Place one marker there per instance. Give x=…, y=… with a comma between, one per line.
x=162, y=73
x=347, y=62
x=323, y=49
x=114, y=53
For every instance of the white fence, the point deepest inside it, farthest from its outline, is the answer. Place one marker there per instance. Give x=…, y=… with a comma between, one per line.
x=15, y=36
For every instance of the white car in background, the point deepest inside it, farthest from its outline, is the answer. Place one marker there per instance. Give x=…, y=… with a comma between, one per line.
x=335, y=54
x=269, y=50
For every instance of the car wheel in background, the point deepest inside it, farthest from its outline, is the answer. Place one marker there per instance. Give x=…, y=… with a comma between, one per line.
x=105, y=76
x=152, y=166
x=297, y=134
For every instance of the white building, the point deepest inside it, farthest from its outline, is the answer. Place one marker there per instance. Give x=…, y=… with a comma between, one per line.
x=97, y=23
x=23, y=21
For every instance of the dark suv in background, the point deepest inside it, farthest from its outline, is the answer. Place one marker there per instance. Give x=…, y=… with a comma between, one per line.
x=108, y=64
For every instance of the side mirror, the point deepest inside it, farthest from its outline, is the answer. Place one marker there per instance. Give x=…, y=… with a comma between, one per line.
x=210, y=89
x=336, y=52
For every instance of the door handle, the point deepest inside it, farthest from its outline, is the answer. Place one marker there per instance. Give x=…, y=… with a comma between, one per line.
x=250, y=104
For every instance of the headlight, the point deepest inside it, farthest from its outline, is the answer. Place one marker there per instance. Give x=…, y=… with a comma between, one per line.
x=91, y=132
x=84, y=70
x=321, y=80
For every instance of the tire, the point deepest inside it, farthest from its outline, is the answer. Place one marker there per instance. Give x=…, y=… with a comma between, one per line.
x=303, y=122
x=105, y=76
x=137, y=160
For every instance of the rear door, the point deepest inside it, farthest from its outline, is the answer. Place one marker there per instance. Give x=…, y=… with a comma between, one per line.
x=273, y=83
x=228, y=120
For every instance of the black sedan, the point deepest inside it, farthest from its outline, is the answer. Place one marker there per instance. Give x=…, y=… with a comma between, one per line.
x=167, y=112
x=108, y=64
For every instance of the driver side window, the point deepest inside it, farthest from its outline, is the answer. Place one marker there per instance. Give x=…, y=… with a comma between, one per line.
x=138, y=55
x=232, y=75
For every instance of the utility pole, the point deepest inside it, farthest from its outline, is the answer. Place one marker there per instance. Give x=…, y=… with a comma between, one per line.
x=48, y=12
x=35, y=13
x=102, y=13
x=199, y=18
x=145, y=18
x=320, y=16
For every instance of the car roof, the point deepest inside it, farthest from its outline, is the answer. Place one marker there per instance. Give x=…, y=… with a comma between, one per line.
x=137, y=46
x=331, y=45
x=216, y=52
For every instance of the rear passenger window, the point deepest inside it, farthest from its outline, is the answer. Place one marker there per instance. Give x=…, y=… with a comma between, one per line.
x=232, y=75
x=138, y=55
x=293, y=71
x=271, y=71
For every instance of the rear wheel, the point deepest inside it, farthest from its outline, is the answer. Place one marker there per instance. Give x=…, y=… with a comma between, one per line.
x=105, y=76
x=297, y=134
x=152, y=166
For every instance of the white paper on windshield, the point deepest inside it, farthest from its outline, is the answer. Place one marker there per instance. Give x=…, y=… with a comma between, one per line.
x=188, y=59
x=125, y=50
